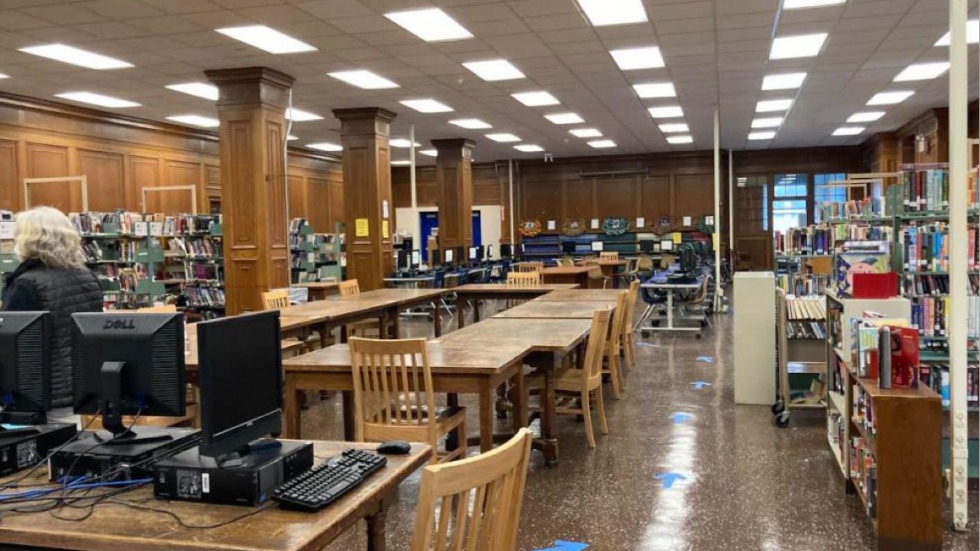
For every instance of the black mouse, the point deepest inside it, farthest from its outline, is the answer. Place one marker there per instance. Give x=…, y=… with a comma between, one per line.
x=395, y=447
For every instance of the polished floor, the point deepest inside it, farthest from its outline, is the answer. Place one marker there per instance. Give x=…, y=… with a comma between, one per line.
x=746, y=486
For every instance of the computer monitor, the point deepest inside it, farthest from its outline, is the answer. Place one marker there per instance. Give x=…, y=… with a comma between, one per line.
x=404, y=260
x=416, y=258
x=25, y=367
x=459, y=254
x=646, y=246
x=506, y=250
x=597, y=246
x=447, y=256
x=666, y=245
x=241, y=383
x=489, y=252
x=480, y=253
x=568, y=247
x=471, y=254
x=127, y=363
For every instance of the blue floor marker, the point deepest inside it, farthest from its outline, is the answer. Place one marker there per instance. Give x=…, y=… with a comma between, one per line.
x=669, y=479
x=706, y=359
x=700, y=384
x=679, y=417
x=566, y=546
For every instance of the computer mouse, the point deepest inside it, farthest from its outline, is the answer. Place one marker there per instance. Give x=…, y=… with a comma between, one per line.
x=395, y=447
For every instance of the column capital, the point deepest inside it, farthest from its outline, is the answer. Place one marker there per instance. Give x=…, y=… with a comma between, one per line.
x=246, y=85
x=358, y=113
x=454, y=147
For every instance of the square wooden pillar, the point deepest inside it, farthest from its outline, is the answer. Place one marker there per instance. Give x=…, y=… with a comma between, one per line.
x=454, y=180
x=368, y=207
x=252, y=110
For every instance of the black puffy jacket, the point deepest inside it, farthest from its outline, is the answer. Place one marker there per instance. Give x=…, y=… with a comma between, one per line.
x=35, y=287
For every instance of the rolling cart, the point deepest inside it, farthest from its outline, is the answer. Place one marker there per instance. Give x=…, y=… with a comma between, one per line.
x=787, y=397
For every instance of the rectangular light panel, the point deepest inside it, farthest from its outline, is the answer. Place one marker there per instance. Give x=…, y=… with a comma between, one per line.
x=764, y=135
x=791, y=47
x=848, y=131
x=655, y=90
x=602, y=144
x=195, y=120
x=325, y=146
x=364, y=79
x=922, y=71
x=267, y=39
x=972, y=34
x=669, y=112
x=800, y=4
x=784, y=81
x=92, y=98
x=565, y=118
x=426, y=105
x=504, y=138
x=773, y=105
x=76, y=56
x=890, y=98
x=866, y=116
x=401, y=163
x=767, y=122
x=298, y=115
x=585, y=133
x=198, y=89
x=535, y=99
x=613, y=12
x=668, y=128
x=431, y=25
x=630, y=59
x=679, y=140
x=429, y=152
x=472, y=124
x=402, y=143
x=494, y=70
x=529, y=148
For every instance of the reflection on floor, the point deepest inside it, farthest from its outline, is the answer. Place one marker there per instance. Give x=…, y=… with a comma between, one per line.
x=746, y=486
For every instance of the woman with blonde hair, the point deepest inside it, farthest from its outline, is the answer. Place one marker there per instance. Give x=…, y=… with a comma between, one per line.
x=52, y=277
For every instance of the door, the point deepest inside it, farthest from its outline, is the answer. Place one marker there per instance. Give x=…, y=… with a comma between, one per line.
x=477, y=231
x=753, y=238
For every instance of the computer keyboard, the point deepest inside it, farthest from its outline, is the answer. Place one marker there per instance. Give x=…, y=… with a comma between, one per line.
x=328, y=481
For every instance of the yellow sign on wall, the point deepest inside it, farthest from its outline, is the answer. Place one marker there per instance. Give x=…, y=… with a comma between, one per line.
x=362, y=228
x=384, y=229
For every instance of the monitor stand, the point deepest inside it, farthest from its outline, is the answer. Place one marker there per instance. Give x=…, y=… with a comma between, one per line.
x=111, y=406
x=239, y=457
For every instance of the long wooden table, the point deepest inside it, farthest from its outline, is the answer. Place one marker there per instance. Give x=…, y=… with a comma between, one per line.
x=116, y=527
x=554, y=310
x=590, y=295
x=578, y=275
x=319, y=290
x=475, y=292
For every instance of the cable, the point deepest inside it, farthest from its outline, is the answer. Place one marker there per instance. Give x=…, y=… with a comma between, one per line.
x=15, y=483
x=129, y=429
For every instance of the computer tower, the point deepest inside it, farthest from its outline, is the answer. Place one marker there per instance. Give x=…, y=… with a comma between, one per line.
x=92, y=454
x=25, y=450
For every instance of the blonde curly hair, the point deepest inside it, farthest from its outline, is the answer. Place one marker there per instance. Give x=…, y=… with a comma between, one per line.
x=48, y=235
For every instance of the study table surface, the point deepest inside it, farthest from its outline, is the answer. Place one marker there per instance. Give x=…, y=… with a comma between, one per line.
x=581, y=295
x=555, y=310
x=475, y=292
x=319, y=290
x=117, y=527
x=381, y=303
x=569, y=274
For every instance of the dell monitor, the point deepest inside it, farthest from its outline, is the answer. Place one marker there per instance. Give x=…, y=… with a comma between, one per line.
x=666, y=246
x=25, y=368
x=568, y=247
x=471, y=254
x=241, y=384
x=646, y=246
x=597, y=246
x=506, y=250
x=416, y=258
x=480, y=253
x=126, y=363
x=404, y=259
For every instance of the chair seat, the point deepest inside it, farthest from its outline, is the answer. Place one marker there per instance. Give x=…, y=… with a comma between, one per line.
x=446, y=419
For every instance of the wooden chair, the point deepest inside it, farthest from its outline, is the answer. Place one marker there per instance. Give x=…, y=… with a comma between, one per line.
x=582, y=383
x=351, y=288
x=628, y=340
x=276, y=299
x=608, y=255
x=530, y=266
x=393, y=397
x=610, y=352
x=493, y=482
x=566, y=261
x=524, y=279
x=595, y=273
x=159, y=309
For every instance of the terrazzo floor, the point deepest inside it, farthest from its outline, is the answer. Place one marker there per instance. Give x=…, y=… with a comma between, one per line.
x=747, y=485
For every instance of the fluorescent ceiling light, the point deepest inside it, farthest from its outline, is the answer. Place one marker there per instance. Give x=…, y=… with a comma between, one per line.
x=585, y=133
x=426, y=105
x=890, y=98
x=972, y=34
x=298, y=115
x=291, y=138
x=773, y=105
x=431, y=25
x=565, y=118
x=504, y=138
x=799, y=4
x=4, y=76
x=848, y=131
x=76, y=56
x=430, y=152
x=472, y=124
x=199, y=89
x=670, y=112
x=494, y=69
x=400, y=163
x=325, y=146
x=866, y=116
x=677, y=140
x=630, y=59
x=535, y=99
x=922, y=71
x=267, y=38
x=602, y=144
x=402, y=143
x=785, y=81
x=364, y=79
x=613, y=12
x=97, y=99
x=804, y=45
x=764, y=135
x=529, y=148
x=655, y=90
x=767, y=122
x=195, y=120
x=674, y=127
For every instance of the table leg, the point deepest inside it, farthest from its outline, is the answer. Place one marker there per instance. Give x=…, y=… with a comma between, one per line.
x=350, y=431
x=291, y=407
x=324, y=330
x=549, y=444
x=670, y=308
x=437, y=323
x=376, y=529
x=487, y=394
x=459, y=316
x=343, y=333
x=452, y=440
x=519, y=401
x=476, y=311
x=383, y=326
x=396, y=328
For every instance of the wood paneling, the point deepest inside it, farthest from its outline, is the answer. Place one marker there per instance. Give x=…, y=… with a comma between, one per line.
x=144, y=173
x=577, y=200
x=50, y=161
x=317, y=204
x=10, y=188
x=106, y=175
x=692, y=196
x=618, y=195
x=655, y=199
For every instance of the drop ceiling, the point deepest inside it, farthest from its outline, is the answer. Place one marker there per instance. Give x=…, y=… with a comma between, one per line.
x=715, y=51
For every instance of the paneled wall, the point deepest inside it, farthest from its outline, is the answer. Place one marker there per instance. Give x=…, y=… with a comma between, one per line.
x=121, y=157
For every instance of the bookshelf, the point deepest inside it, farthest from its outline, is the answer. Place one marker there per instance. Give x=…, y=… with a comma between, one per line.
x=314, y=256
x=8, y=260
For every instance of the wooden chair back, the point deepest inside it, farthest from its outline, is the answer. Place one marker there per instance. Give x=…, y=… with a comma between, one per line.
x=159, y=309
x=275, y=299
x=631, y=295
x=645, y=263
x=392, y=388
x=608, y=255
x=595, y=270
x=524, y=279
x=616, y=325
x=349, y=288
x=598, y=335
x=474, y=504
x=530, y=266
x=567, y=261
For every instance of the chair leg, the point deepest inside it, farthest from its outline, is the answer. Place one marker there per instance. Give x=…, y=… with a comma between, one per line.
x=587, y=413
x=461, y=439
x=601, y=406
x=614, y=376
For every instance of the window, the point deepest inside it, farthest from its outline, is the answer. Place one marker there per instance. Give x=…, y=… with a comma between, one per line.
x=752, y=205
x=789, y=201
x=823, y=192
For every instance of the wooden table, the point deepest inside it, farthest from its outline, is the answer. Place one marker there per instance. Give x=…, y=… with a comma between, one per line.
x=319, y=290
x=554, y=310
x=569, y=274
x=114, y=527
x=610, y=266
x=590, y=295
x=475, y=292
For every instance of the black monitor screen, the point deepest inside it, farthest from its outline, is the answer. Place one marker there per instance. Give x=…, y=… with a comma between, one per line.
x=25, y=361
x=568, y=247
x=506, y=250
x=241, y=381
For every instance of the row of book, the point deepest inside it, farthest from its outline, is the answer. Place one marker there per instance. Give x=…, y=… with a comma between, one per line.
x=95, y=251
x=803, y=284
x=197, y=247
x=864, y=473
x=806, y=330
x=205, y=272
x=936, y=377
x=862, y=232
x=205, y=296
x=868, y=207
x=805, y=309
x=926, y=190
x=809, y=240
x=930, y=315
x=143, y=224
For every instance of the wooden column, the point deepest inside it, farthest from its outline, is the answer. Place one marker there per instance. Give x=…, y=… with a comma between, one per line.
x=454, y=179
x=369, y=210
x=252, y=110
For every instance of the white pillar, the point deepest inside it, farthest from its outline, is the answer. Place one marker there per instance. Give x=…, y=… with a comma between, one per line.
x=716, y=232
x=411, y=160
x=511, y=215
x=958, y=296
x=731, y=210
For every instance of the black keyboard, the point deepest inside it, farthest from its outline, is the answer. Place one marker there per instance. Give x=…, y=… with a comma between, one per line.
x=328, y=481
